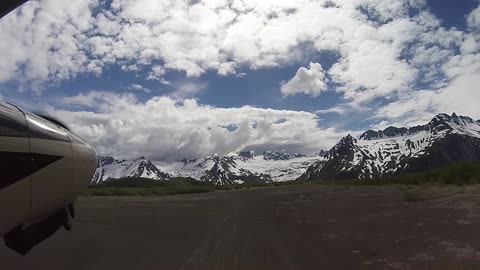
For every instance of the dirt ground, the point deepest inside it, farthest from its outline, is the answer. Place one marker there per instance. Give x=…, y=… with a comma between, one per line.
x=290, y=227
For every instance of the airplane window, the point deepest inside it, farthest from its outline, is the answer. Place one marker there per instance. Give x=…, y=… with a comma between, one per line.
x=12, y=121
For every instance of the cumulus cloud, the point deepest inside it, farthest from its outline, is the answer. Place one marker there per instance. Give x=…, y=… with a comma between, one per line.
x=473, y=19
x=310, y=81
x=45, y=41
x=383, y=47
x=460, y=96
x=166, y=129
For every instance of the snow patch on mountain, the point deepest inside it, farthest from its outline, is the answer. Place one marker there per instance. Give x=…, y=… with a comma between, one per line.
x=281, y=169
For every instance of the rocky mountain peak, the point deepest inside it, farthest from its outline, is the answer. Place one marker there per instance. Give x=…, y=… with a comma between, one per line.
x=103, y=161
x=462, y=120
x=344, y=147
x=440, y=122
x=213, y=158
x=370, y=135
x=247, y=154
x=445, y=122
x=322, y=153
x=347, y=140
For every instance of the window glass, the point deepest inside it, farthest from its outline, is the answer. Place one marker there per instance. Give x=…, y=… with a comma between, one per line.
x=12, y=121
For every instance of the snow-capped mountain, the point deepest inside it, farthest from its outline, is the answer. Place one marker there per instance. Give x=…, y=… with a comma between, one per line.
x=445, y=139
x=234, y=168
x=110, y=168
x=242, y=167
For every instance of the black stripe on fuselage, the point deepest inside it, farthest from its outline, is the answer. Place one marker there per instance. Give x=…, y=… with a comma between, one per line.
x=15, y=166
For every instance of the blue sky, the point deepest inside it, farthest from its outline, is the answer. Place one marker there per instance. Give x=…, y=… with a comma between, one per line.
x=294, y=76
x=452, y=14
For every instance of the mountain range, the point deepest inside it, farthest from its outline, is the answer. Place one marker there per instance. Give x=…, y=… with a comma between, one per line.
x=234, y=168
x=377, y=154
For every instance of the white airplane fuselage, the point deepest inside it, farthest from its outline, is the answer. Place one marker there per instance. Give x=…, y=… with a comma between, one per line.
x=43, y=168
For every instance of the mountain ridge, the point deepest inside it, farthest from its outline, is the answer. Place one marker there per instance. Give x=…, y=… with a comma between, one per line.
x=242, y=167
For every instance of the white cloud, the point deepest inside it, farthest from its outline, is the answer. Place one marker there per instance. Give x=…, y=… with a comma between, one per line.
x=139, y=87
x=156, y=73
x=164, y=128
x=469, y=45
x=165, y=82
x=310, y=81
x=338, y=109
x=383, y=11
x=460, y=96
x=133, y=67
x=95, y=99
x=44, y=41
x=473, y=19
x=384, y=50
x=194, y=37
x=241, y=75
x=361, y=69
x=187, y=89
